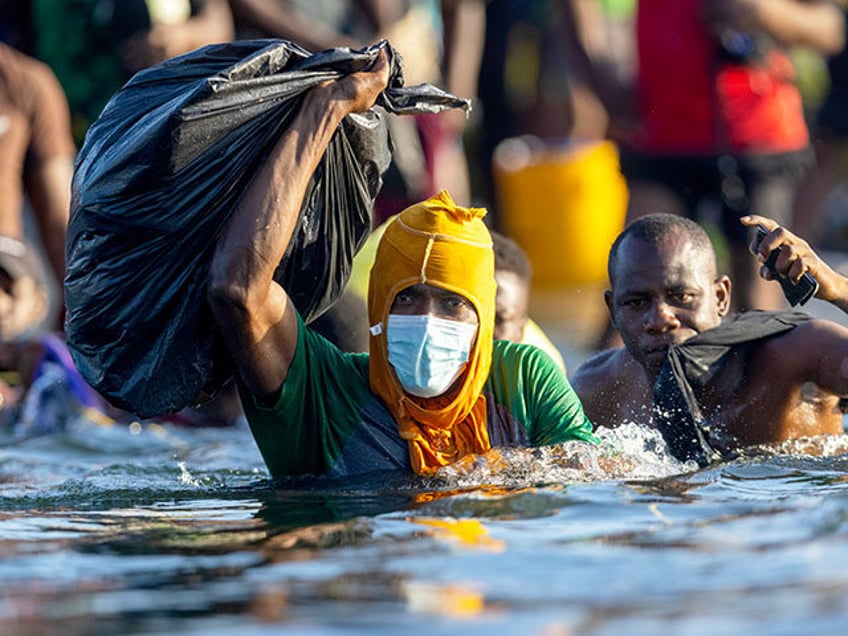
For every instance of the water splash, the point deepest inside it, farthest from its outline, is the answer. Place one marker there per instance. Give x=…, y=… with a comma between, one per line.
x=186, y=478
x=630, y=451
x=817, y=446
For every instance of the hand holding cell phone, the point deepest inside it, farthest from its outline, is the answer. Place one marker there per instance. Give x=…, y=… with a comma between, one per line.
x=797, y=293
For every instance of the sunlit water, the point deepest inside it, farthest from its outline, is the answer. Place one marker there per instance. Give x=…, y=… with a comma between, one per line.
x=112, y=530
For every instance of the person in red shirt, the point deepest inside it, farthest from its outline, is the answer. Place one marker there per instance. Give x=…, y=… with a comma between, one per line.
x=718, y=118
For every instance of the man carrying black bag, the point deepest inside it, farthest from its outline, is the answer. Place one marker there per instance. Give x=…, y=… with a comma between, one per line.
x=155, y=183
x=435, y=386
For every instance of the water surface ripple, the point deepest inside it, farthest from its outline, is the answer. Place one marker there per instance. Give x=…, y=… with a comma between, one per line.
x=107, y=530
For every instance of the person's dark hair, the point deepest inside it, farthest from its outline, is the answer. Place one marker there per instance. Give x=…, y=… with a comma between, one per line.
x=510, y=257
x=653, y=229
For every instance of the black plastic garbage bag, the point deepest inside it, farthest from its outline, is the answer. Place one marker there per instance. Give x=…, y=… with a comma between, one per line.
x=691, y=366
x=155, y=183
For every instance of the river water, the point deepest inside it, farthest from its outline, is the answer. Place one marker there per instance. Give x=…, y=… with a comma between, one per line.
x=151, y=529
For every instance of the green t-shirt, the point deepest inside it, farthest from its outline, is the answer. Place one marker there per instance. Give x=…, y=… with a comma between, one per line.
x=327, y=420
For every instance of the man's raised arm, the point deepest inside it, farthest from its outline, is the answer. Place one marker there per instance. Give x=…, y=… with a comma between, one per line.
x=796, y=257
x=256, y=317
x=818, y=350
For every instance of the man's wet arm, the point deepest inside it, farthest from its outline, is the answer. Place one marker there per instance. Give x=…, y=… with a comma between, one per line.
x=825, y=354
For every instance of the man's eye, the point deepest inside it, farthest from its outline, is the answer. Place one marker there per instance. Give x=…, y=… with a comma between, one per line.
x=634, y=303
x=684, y=298
x=455, y=302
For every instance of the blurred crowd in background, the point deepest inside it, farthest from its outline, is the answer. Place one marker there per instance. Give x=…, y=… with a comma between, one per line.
x=586, y=113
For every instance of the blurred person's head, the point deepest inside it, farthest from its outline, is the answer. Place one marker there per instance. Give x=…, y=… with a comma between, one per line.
x=512, y=275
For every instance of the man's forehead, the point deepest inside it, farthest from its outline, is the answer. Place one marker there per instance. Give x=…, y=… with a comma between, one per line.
x=674, y=247
x=673, y=260
x=670, y=276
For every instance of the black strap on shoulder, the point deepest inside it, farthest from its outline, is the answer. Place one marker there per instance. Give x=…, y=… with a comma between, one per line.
x=690, y=366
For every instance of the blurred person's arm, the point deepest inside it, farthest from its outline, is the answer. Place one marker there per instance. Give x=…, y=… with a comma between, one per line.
x=49, y=193
x=213, y=23
x=587, y=40
x=278, y=19
x=48, y=173
x=463, y=39
x=818, y=24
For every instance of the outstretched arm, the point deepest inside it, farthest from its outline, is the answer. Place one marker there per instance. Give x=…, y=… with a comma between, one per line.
x=812, y=23
x=256, y=317
x=796, y=257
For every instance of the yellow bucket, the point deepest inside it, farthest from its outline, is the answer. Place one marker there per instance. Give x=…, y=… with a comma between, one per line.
x=563, y=204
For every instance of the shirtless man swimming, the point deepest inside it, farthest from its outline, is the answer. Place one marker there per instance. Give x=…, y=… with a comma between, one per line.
x=665, y=290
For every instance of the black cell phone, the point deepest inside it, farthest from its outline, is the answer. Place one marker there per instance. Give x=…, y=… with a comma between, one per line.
x=796, y=293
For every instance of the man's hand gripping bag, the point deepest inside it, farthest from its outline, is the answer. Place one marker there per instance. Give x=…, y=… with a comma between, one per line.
x=155, y=182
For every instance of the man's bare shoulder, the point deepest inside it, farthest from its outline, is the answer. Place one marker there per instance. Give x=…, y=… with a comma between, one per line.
x=814, y=350
x=787, y=386
x=613, y=388
x=819, y=329
x=606, y=366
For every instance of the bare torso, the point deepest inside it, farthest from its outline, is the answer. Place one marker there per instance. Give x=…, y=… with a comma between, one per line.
x=758, y=398
x=613, y=389
x=761, y=399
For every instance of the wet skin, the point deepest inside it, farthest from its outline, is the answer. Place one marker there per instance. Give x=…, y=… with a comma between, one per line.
x=786, y=388
x=664, y=294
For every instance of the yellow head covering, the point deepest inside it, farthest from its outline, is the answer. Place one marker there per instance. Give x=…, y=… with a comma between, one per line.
x=442, y=244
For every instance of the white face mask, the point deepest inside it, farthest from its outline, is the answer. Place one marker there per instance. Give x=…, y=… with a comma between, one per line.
x=428, y=353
